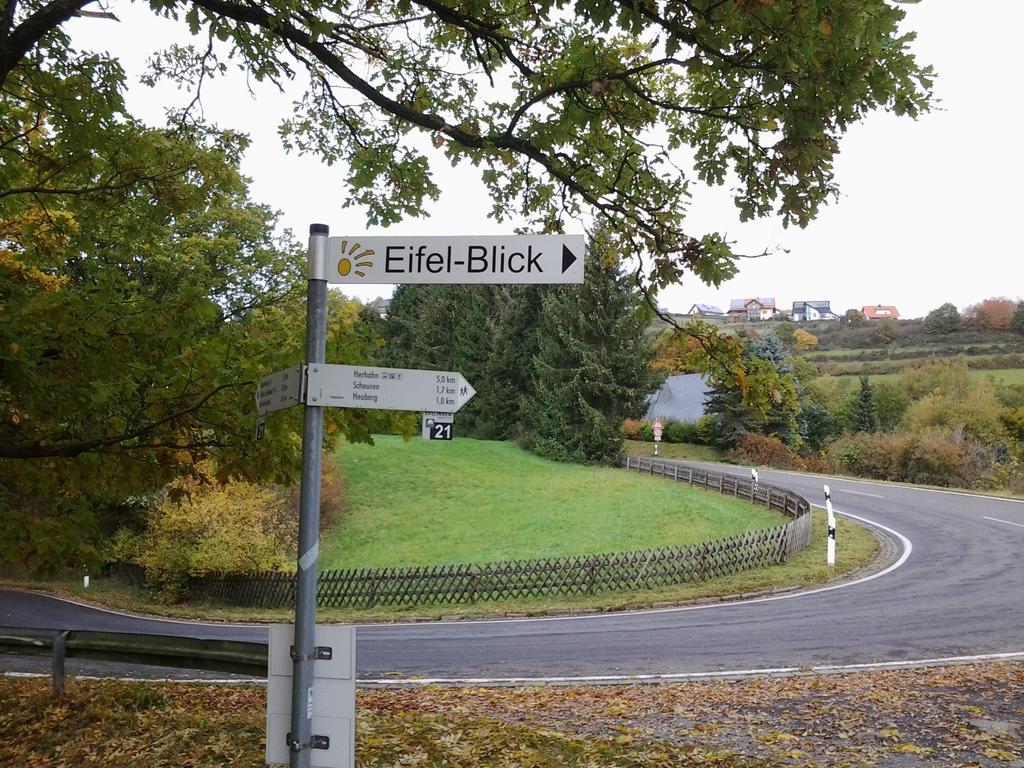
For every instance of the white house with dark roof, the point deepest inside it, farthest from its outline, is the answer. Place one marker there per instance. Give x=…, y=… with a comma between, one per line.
x=705, y=309
x=813, y=310
x=753, y=309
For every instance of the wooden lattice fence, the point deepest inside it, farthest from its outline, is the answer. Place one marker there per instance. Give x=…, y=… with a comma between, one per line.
x=548, y=577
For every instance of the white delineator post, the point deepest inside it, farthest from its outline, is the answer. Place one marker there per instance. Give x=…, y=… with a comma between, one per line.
x=753, y=488
x=831, y=553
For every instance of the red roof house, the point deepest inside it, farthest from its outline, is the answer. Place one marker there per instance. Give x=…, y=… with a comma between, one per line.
x=881, y=312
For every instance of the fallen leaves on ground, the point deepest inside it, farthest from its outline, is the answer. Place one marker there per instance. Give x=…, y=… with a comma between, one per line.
x=956, y=716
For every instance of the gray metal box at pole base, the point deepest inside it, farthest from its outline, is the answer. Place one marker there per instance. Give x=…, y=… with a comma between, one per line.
x=333, y=699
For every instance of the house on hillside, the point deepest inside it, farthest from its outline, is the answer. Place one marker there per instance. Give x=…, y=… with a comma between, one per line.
x=881, y=312
x=681, y=398
x=705, y=310
x=752, y=309
x=813, y=310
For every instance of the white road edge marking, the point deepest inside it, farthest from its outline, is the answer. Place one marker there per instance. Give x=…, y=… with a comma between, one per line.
x=859, y=493
x=997, y=520
x=907, y=549
x=667, y=677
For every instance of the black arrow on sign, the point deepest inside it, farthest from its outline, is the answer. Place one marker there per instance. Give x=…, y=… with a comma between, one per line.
x=568, y=258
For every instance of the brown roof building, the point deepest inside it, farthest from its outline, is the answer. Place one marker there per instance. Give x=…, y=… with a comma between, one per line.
x=880, y=312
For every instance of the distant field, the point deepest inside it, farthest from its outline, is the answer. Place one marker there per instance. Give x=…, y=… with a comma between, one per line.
x=1009, y=376
x=933, y=350
x=425, y=502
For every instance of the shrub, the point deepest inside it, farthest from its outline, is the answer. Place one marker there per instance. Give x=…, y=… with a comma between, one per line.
x=646, y=431
x=878, y=456
x=332, y=497
x=992, y=314
x=975, y=409
x=631, y=429
x=680, y=432
x=766, y=450
x=942, y=321
x=805, y=341
x=891, y=403
x=929, y=456
x=201, y=526
x=935, y=459
x=705, y=430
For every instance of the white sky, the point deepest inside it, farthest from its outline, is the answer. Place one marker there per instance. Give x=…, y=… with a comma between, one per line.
x=927, y=215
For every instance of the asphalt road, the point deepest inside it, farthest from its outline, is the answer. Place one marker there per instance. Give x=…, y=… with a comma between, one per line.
x=956, y=590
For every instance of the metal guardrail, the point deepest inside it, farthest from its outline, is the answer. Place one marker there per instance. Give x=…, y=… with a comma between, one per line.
x=232, y=656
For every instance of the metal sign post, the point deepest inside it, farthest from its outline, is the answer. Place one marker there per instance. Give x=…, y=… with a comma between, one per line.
x=304, y=652
x=537, y=259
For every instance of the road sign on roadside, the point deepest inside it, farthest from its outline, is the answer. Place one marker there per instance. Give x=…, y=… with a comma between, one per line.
x=279, y=390
x=456, y=260
x=397, y=389
x=658, y=428
x=437, y=426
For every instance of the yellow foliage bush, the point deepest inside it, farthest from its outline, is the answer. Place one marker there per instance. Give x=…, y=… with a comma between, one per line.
x=804, y=340
x=200, y=526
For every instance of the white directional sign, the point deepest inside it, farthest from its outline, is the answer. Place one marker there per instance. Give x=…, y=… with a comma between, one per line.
x=511, y=259
x=397, y=389
x=279, y=390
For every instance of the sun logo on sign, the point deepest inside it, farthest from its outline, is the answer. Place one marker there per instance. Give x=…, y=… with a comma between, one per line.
x=351, y=259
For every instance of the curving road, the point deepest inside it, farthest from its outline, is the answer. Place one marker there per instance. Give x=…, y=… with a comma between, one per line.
x=956, y=590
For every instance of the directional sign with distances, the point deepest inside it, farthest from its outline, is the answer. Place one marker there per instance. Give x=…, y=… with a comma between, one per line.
x=397, y=389
x=509, y=259
x=279, y=390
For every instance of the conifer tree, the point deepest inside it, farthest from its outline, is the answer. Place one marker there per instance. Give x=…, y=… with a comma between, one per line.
x=592, y=367
x=516, y=312
x=865, y=410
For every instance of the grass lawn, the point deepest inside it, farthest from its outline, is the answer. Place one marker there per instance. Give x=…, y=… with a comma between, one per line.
x=429, y=502
x=681, y=451
x=641, y=511
x=856, y=548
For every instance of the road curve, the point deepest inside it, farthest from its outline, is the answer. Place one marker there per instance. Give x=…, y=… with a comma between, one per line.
x=958, y=592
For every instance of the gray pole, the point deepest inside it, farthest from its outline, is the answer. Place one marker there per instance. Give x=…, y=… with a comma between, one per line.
x=309, y=508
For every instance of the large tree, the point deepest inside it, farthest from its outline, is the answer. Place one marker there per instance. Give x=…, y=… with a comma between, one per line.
x=566, y=107
x=604, y=108
x=758, y=395
x=592, y=368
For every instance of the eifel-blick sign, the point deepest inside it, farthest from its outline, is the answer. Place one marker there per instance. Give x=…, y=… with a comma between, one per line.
x=456, y=260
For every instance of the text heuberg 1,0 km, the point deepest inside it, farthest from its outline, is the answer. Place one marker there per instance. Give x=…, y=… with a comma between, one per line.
x=511, y=259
